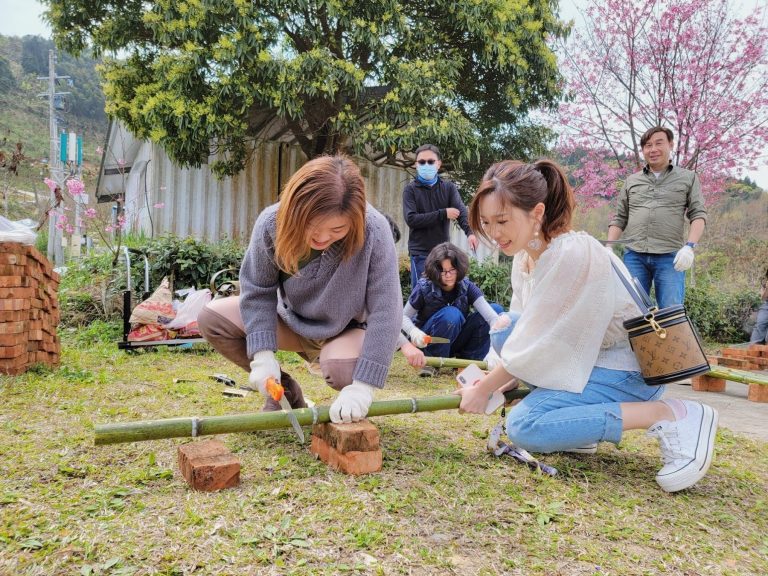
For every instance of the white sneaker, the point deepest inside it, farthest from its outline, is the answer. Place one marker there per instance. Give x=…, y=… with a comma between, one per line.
x=588, y=449
x=687, y=446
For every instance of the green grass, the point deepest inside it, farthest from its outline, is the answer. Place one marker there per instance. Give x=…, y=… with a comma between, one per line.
x=441, y=504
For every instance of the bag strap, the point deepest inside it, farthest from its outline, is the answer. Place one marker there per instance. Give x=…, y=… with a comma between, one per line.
x=639, y=300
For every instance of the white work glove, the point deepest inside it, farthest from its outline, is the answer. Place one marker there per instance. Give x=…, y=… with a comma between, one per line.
x=352, y=403
x=417, y=337
x=683, y=258
x=263, y=366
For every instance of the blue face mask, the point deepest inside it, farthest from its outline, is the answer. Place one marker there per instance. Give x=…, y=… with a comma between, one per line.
x=426, y=171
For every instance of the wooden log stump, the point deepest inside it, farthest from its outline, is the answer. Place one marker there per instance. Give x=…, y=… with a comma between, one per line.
x=349, y=448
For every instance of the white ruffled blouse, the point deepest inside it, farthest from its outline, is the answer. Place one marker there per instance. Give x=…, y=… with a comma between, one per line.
x=572, y=307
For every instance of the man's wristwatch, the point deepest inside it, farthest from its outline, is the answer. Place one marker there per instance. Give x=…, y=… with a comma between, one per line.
x=691, y=244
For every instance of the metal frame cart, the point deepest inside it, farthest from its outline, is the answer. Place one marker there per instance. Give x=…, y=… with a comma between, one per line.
x=126, y=344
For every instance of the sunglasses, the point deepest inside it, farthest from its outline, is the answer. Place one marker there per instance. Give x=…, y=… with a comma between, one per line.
x=430, y=161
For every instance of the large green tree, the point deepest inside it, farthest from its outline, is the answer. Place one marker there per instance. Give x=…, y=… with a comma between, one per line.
x=371, y=77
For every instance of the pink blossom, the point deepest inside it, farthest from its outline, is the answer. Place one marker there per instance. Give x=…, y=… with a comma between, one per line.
x=51, y=184
x=90, y=213
x=159, y=205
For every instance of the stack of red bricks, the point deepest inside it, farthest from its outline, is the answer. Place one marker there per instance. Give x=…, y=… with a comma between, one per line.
x=753, y=357
x=29, y=309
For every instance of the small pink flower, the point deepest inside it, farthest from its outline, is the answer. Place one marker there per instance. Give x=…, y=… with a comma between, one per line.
x=159, y=205
x=50, y=183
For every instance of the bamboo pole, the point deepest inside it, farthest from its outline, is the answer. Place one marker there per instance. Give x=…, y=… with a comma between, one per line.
x=437, y=362
x=203, y=426
x=743, y=376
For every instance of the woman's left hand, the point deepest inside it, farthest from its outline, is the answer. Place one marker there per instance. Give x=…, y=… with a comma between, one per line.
x=473, y=400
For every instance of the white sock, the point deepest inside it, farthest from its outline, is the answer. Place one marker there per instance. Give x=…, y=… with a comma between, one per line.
x=677, y=406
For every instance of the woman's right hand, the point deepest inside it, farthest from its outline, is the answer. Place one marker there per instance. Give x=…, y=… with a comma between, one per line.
x=263, y=366
x=473, y=399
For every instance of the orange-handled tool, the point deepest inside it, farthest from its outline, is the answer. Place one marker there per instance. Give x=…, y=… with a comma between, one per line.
x=277, y=392
x=435, y=339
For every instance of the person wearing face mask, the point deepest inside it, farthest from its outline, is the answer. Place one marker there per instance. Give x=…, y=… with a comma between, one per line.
x=564, y=333
x=430, y=203
x=320, y=278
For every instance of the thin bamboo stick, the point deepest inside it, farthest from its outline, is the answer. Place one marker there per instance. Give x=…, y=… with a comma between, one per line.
x=437, y=362
x=183, y=427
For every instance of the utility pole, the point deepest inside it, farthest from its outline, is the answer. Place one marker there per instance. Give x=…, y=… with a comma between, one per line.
x=55, y=248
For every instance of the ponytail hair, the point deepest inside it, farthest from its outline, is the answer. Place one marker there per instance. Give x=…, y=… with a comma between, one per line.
x=523, y=186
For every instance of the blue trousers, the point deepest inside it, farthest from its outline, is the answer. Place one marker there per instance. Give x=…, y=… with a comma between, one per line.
x=761, y=325
x=668, y=283
x=469, y=336
x=555, y=420
x=417, y=269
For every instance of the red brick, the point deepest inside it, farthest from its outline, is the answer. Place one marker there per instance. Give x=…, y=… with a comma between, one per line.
x=359, y=436
x=13, y=351
x=13, y=247
x=208, y=465
x=13, y=327
x=14, y=304
x=16, y=292
x=758, y=393
x=13, y=339
x=12, y=315
x=15, y=259
x=21, y=360
x=14, y=270
x=706, y=383
x=350, y=463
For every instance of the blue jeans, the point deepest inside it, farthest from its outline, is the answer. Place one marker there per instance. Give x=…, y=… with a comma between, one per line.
x=469, y=336
x=417, y=269
x=555, y=420
x=761, y=325
x=668, y=283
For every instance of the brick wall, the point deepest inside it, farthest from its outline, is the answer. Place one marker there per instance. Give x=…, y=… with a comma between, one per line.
x=29, y=309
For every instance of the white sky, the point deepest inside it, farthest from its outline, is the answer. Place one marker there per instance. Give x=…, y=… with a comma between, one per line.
x=22, y=17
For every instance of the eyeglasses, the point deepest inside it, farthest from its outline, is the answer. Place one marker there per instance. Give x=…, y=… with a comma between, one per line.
x=451, y=272
x=430, y=161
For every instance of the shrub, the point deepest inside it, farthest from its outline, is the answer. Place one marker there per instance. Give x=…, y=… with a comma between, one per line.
x=719, y=316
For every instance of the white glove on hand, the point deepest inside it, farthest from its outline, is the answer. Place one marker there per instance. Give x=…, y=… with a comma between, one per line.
x=418, y=338
x=683, y=258
x=352, y=403
x=263, y=366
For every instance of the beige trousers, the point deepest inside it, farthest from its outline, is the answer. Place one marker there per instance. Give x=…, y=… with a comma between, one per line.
x=222, y=326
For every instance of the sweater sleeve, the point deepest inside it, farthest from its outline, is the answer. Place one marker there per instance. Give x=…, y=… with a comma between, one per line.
x=383, y=297
x=556, y=340
x=259, y=279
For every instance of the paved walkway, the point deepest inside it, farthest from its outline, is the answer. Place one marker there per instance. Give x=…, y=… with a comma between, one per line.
x=736, y=412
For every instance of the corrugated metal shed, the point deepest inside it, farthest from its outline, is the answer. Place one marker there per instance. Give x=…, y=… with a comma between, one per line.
x=161, y=197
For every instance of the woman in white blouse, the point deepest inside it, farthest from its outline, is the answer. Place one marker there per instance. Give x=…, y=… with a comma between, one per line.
x=564, y=334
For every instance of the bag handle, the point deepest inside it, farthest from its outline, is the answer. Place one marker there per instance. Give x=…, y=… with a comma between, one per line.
x=639, y=300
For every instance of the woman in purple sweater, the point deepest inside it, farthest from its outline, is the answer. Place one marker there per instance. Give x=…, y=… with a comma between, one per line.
x=320, y=278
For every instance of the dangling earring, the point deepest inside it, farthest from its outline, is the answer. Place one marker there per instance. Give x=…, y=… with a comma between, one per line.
x=535, y=243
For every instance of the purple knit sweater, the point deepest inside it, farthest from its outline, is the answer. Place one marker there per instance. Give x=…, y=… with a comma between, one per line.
x=326, y=294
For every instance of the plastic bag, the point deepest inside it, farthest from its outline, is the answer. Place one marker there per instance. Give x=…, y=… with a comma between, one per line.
x=16, y=232
x=156, y=309
x=186, y=315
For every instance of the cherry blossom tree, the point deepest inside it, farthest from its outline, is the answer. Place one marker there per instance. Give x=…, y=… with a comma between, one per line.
x=694, y=66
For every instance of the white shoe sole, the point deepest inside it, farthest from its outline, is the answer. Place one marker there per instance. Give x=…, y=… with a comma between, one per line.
x=697, y=468
x=589, y=449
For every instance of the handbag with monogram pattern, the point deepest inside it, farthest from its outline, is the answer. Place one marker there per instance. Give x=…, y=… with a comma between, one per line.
x=665, y=342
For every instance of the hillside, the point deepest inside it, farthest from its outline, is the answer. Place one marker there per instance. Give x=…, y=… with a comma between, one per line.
x=24, y=117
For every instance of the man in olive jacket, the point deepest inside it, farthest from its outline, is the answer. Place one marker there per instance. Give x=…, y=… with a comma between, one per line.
x=651, y=211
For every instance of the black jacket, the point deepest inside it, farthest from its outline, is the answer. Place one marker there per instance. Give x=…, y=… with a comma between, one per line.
x=424, y=212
